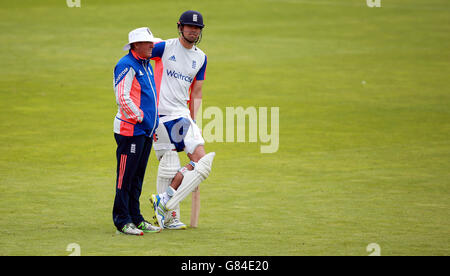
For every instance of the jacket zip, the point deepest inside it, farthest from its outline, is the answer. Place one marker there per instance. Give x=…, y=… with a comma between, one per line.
x=154, y=95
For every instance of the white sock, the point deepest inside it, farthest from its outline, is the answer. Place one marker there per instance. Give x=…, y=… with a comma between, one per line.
x=167, y=195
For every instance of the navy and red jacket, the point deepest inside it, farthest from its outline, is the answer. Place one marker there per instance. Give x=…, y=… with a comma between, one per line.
x=136, y=97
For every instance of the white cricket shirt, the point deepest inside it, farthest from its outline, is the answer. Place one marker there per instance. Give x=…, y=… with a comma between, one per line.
x=176, y=70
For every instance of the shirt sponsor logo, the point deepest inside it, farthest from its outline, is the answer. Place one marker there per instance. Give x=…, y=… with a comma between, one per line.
x=179, y=75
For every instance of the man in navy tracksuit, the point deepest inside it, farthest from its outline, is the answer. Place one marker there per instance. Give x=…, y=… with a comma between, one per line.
x=134, y=124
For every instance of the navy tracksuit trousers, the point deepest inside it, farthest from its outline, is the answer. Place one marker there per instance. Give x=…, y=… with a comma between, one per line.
x=132, y=157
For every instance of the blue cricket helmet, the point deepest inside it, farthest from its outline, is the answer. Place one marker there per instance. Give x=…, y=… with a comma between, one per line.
x=193, y=18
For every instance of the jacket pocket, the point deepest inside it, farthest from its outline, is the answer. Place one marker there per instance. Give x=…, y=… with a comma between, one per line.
x=147, y=122
x=128, y=121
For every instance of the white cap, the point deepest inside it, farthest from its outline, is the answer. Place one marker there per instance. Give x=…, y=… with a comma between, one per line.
x=140, y=35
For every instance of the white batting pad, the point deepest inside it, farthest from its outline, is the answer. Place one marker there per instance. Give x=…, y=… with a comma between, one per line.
x=191, y=180
x=167, y=169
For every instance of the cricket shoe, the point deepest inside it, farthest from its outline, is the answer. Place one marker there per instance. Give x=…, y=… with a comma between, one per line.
x=130, y=229
x=160, y=210
x=146, y=227
x=175, y=224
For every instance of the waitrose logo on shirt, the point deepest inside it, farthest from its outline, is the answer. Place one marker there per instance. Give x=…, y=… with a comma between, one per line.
x=179, y=76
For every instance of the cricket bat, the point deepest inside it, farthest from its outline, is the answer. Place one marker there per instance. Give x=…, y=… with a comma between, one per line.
x=195, y=208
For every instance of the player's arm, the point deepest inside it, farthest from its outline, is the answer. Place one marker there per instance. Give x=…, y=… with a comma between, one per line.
x=196, y=90
x=196, y=98
x=158, y=50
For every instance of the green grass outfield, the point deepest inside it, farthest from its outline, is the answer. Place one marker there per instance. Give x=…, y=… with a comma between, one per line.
x=364, y=127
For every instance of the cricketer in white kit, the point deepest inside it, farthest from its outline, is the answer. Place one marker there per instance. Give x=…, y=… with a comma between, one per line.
x=180, y=68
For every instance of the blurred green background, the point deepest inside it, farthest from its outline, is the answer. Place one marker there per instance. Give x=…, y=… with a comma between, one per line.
x=363, y=128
